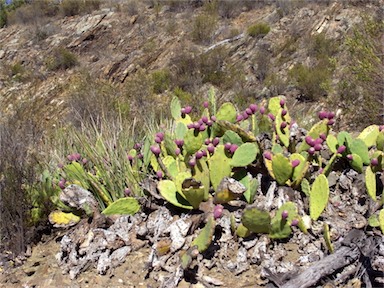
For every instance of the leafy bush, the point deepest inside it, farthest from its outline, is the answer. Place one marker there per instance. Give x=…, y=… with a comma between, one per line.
x=160, y=80
x=61, y=59
x=258, y=30
x=203, y=27
x=75, y=7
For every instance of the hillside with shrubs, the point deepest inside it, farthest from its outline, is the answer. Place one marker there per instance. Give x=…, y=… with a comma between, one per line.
x=215, y=113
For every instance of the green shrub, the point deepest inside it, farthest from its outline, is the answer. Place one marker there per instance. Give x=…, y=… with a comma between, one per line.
x=258, y=30
x=61, y=59
x=76, y=7
x=204, y=25
x=160, y=80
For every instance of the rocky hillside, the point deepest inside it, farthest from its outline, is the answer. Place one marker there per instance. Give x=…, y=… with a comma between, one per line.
x=144, y=52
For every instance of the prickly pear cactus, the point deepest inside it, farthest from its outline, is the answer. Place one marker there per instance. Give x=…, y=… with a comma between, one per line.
x=315, y=132
x=256, y=220
x=318, y=197
x=282, y=168
x=122, y=206
x=369, y=135
x=219, y=166
x=168, y=190
x=281, y=223
x=245, y=155
x=370, y=182
x=204, y=239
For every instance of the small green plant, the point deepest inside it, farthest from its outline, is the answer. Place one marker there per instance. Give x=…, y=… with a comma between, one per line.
x=160, y=80
x=61, y=59
x=203, y=28
x=258, y=30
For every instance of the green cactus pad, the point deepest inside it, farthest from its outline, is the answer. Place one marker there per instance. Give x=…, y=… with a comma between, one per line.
x=219, y=166
x=370, y=182
x=245, y=155
x=300, y=170
x=357, y=146
x=168, y=190
x=373, y=220
x=193, y=193
x=204, y=239
x=169, y=145
x=201, y=173
x=122, y=206
x=332, y=143
x=276, y=148
x=282, y=133
x=242, y=231
x=250, y=194
x=357, y=163
x=180, y=131
x=281, y=228
x=318, y=198
x=171, y=165
x=381, y=220
x=319, y=128
x=343, y=138
x=369, y=135
x=179, y=179
x=380, y=141
x=282, y=169
x=227, y=112
x=232, y=137
x=175, y=108
x=193, y=141
x=274, y=105
x=256, y=220
x=305, y=187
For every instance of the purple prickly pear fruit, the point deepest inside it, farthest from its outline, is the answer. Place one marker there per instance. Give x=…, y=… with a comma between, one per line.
x=218, y=211
x=200, y=121
x=62, y=183
x=317, y=147
x=253, y=107
x=207, y=141
x=192, y=162
x=271, y=116
x=213, y=118
x=331, y=115
x=158, y=140
x=350, y=157
x=60, y=165
x=341, y=149
x=323, y=115
x=283, y=112
x=187, y=109
x=130, y=158
x=283, y=125
x=311, y=151
x=183, y=111
x=205, y=104
x=137, y=146
x=211, y=148
x=321, y=170
x=202, y=127
x=295, y=222
x=204, y=153
x=199, y=155
x=374, y=162
x=249, y=111
x=331, y=122
x=155, y=150
x=309, y=140
x=245, y=115
x=209, y=123
x=262, y=110
x=282, y=103
x=160, y=135
x=227, y=146
x=70, y=157
x=267, y=155
x=233, y=148
x=216, y=141
x=205, y=119
x=177, y=151
x=139, y=156
x=196, y=125
x=191, y=126
x=76, y=156
x=239, y=118
x=284, y=214
x=323, y=136
x=319, y=141
x=159, y=174
x=84, y=161
x=295, y=163
x=127, y=192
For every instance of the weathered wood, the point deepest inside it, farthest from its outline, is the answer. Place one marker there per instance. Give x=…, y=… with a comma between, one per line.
x=326, y=266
